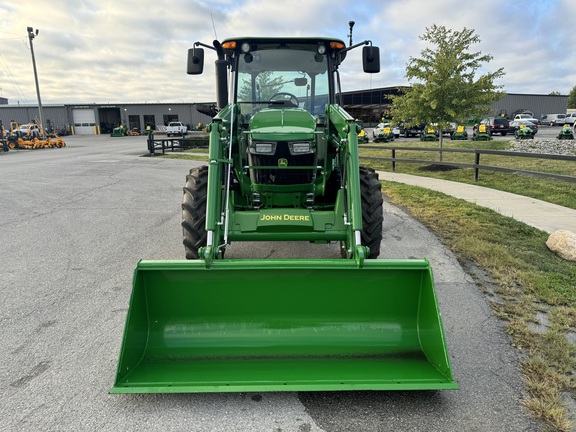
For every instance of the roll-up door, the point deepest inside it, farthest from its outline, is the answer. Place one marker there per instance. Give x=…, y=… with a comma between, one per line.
x=84, y=121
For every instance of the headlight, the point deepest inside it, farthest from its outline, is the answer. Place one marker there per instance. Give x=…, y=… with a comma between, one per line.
x=300, y=147
x=268, y=148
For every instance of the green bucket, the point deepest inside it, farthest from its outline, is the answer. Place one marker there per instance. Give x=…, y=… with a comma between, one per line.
x=282, y=325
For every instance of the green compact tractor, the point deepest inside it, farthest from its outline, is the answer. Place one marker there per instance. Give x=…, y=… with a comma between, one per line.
x=283, y=167
x=566, y=133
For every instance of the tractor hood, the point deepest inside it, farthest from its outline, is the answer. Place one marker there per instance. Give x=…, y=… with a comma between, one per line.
x=285, y=124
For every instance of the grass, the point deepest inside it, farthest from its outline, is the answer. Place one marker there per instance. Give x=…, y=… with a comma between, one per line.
x=536, y=292
x=555, y=191
x=190, y=154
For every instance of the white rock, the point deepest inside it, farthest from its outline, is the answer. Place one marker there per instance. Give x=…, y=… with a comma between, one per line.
x=563, y=244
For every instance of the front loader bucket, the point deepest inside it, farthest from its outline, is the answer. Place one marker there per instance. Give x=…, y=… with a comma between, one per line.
x=282, y=325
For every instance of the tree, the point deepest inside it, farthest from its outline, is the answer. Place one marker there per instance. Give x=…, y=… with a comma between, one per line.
x=554, y=93
x=572, y=98
x=266, y=86
x=444, y=86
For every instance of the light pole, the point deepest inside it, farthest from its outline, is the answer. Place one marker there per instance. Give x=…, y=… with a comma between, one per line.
x=31, y=35
x=351, y=25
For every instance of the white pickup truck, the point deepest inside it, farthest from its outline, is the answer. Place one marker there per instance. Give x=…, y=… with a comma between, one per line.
x=176, y=128
x=528, y=117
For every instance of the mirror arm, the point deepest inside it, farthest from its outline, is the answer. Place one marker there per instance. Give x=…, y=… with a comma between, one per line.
x=204, y=45
x=366, y=42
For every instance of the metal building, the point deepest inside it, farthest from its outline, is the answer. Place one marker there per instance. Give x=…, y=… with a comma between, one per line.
x=537, y=105
x=367, y=105
x=371, y=105
x=93, y=119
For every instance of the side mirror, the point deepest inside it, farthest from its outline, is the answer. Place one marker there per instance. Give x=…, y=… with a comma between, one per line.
x=195, y=61
x=371, y=59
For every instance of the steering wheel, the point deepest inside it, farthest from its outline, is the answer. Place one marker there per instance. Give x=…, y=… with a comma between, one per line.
x=293, y=100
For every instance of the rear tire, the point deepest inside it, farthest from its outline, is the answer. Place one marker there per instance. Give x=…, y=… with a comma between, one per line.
x=372, y=213
x=194, y=211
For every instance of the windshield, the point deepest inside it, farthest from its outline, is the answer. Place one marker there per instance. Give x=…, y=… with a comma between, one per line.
x=282, y=78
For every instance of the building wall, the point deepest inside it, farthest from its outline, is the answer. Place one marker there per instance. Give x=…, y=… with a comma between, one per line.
x=58, y=115
x=61, y=116
x=366, y=105
x=537, y=104
x=369, y=105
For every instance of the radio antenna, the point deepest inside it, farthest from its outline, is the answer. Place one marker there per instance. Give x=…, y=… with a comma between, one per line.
x=214, y=27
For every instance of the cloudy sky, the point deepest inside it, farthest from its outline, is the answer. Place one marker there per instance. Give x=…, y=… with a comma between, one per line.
x=105, y=51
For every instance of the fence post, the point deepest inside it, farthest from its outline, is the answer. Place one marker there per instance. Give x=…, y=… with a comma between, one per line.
x=476, y=165
x=393, y=160
x=151, y=144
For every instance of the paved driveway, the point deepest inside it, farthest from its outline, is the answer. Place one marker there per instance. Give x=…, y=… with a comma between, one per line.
x=74, y=223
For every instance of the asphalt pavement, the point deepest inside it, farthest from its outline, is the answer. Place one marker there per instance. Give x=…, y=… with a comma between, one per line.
x=76, y=220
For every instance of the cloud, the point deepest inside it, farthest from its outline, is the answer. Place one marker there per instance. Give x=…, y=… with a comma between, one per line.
x=133, y=51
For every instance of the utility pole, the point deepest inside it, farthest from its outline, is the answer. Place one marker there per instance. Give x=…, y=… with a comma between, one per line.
x=31, y=35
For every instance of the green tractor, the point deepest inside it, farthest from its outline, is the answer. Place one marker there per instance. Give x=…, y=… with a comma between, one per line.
x=283, y=166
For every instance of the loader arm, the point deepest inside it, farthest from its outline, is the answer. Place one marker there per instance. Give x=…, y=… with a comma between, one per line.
x=343, y=126
x=220, y=136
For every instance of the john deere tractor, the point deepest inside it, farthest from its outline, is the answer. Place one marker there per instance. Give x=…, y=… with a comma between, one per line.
x=283, y=167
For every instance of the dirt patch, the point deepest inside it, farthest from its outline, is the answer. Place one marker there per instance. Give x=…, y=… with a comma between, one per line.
x=437, y=167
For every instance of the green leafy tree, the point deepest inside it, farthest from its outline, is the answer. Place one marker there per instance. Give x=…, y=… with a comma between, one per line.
x=572, y=98
x=445, y=86
x=555, y=93
x=266, y=86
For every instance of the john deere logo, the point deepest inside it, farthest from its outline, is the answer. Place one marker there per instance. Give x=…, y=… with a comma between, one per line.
x=282, y=162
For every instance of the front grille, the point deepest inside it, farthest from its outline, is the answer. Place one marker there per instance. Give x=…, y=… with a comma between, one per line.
x=282, y=176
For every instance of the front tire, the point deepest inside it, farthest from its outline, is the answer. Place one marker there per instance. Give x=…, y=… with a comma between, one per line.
x=372, y=213
x=194, y=211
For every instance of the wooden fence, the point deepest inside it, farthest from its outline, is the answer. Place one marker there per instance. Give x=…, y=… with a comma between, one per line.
x=477, y=166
